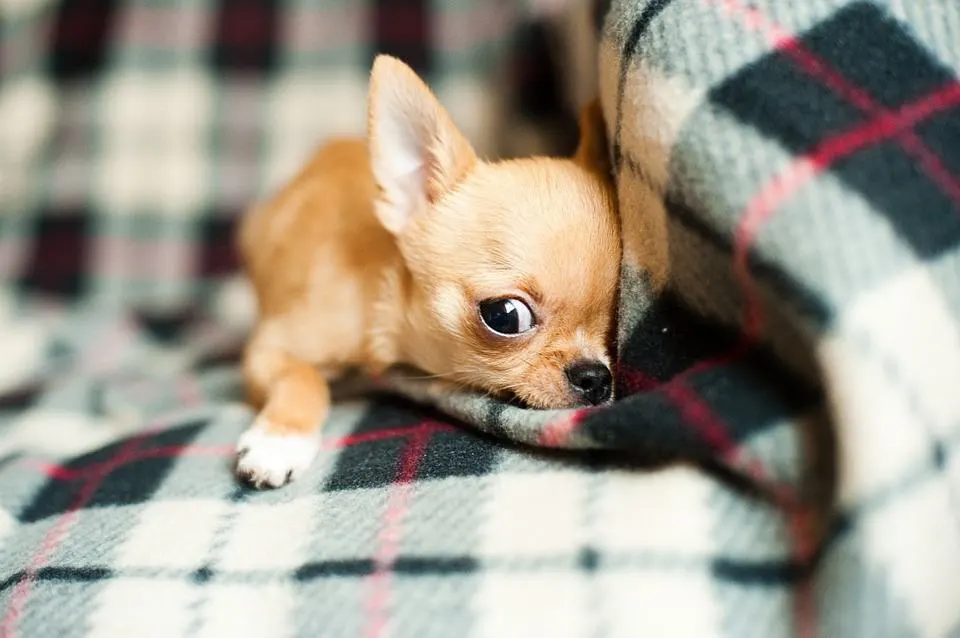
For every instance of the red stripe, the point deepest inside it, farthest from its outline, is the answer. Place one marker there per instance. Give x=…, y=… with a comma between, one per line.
x=95, y=475
x=632, y=381
x=758, y=211
x=557, y=433
x=716, y=433
x=938, y=173
x=378, y=435
x=55, y=471
x=804, y=601
x=820, y=69
x=391, y=530
x=64, y=473
x=697, y=412
x=784, y=185
x=762, y=207
x=59, y=531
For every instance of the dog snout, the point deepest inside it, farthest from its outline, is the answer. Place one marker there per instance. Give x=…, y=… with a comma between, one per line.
x=591, y=381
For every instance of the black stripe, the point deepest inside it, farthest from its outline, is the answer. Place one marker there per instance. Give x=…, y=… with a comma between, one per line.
x=334, y=568
x=246, y=36
x=646, y=18
x=61, y=252
x=81, y=38
x=20, y=398
x=76, y=574
x=126, y=485
x=61, y=574
x=373, y=464
x=436, y=565
x=767, y=573
x=403, y=30
x=11, y=580
x=781, y=101
x=600, y=10
x=589, y=559
x=218, y=252
x=453, y=454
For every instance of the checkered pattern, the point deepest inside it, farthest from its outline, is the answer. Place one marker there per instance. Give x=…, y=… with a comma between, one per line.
x=133, y=140
x=781, y=461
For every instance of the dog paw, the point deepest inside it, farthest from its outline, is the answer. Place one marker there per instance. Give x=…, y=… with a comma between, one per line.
x=269, y=460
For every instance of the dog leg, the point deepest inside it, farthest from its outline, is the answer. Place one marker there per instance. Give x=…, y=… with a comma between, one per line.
x=284, y=439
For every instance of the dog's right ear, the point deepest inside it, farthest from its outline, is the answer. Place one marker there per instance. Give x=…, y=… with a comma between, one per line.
x=416, y=151
x=593, y=151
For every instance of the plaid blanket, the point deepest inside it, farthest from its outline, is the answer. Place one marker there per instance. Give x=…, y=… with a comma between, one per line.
x=782, y=459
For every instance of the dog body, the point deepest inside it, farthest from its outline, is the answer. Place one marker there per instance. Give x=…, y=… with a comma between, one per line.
x=317, y=256
x=405, y=248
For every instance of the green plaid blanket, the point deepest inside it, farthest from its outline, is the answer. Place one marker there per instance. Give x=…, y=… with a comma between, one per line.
x=782, y=460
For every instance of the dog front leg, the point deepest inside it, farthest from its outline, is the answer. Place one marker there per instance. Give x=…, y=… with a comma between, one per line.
x=294, y=401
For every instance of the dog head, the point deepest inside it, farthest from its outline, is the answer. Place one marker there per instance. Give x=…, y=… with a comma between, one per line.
x=513, y=266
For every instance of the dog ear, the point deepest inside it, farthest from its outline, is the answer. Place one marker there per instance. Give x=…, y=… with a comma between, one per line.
x=593, y=152
x=416, y=151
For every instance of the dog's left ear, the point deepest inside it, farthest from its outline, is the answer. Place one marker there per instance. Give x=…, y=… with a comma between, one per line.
x=593, y=152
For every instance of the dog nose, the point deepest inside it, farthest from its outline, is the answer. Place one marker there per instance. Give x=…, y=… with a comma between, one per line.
x=591, y=380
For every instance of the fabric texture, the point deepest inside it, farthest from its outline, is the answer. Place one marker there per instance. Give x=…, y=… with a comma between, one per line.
x=781, y=459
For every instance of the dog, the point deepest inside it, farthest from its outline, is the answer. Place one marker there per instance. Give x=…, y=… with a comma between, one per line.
x=408, y=249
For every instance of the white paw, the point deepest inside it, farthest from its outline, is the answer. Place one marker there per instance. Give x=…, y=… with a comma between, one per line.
x=265, y=459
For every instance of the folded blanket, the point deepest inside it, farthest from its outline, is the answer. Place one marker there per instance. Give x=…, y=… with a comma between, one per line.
x=781, y=460
x=792, y=177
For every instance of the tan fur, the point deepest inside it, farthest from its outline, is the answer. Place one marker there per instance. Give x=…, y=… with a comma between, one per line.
x=359, y=264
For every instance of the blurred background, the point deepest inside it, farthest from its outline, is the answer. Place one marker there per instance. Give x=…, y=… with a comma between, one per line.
x=134, y=132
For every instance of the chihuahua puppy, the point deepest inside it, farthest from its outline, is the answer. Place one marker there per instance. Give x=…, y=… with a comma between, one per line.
x=409, y=249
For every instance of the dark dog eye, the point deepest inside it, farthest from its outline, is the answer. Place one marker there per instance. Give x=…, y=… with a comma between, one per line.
x=506, y=316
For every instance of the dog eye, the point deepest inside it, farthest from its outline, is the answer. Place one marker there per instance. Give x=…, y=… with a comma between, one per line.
x=506, y=316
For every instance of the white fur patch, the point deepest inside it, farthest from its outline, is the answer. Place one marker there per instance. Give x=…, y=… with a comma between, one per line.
x=265, y=459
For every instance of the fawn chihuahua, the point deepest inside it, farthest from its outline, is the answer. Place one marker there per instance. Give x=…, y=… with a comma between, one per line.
x=409, y=249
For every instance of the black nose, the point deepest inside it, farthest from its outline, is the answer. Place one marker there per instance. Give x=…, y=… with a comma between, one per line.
x=590, y=380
